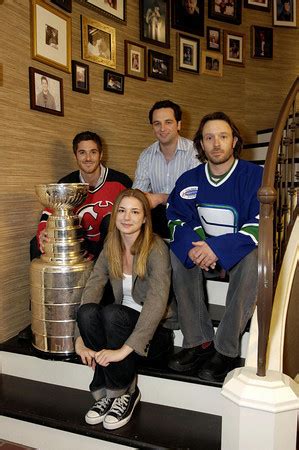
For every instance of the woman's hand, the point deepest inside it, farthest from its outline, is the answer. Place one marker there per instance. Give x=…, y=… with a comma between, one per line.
x=86, y=354
x=105, y=357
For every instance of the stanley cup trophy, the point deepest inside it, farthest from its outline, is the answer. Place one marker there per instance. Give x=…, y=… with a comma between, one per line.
x=58, y=277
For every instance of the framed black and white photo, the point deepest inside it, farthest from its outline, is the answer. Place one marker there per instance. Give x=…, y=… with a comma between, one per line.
x=214, y=39
x=188, y=16
x=188, y=53
x=225, y=11
x=284, y=13
x=98, y=42
x=114, y=9
x=261, y=42
x=135, y=60
x=46, y=92
x=234, y=48
x=260, y=5
x=114, y=82
x=212, y=63
x=155, y=22
x=80, y=77
x=160, y=66
x=51, y=36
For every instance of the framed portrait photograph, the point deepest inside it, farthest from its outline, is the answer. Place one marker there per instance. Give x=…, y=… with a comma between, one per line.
x=51, y=36
x=135, y=60
x=212, y=63
x=155, y=22
x=225, y=11
x=261, y=42
x=64, y=4
x=260, y=5
x=98, y=42
x=188, y=16
x=115, y=9
x=214, y=39
x=80, y=77
x=114, y=82
x=234, y=48
x=46, y=92
x=188, y=53
x=284, y=13
x=160, y=66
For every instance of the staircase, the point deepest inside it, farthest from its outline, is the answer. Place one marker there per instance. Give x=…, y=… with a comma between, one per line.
x=43, y=402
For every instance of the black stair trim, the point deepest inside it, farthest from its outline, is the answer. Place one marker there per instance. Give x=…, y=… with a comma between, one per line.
x=152, y=426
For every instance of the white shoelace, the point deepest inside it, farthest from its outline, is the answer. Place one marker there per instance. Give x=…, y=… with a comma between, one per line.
x=120, y=404
x=102, y=404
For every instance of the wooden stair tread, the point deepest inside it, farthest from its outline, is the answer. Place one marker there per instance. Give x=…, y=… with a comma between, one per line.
x=152, y=426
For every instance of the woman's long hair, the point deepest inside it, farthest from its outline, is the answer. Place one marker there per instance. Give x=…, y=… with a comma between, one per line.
x=142, y=245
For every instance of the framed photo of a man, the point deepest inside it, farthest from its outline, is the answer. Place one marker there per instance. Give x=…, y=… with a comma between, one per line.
x=188, y=16
x=51, y=36
x=80, y=77
x=234, y=49
x=98, y=42
x=260, y=5
x=155, y=22
x=284, y=13
x=188, y=53
x=46, y=92
x=261, y=42
x=160, y=66
x=225, y=10
x=135, y=60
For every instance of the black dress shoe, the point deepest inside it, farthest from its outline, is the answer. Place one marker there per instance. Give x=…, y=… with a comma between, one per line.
x=190, y=358
x=217, y=367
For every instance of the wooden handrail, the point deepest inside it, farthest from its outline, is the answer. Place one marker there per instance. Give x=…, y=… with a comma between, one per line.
x=267, y=196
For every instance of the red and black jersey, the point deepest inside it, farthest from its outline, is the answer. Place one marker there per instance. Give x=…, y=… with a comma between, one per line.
x=95, y=211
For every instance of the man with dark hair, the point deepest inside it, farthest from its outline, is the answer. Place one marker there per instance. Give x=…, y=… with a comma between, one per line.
x=45, y=98
x=160, y=165
x=104, y=186
x=213, y=216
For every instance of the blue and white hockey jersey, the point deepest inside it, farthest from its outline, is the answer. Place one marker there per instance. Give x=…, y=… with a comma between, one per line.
x=225, y=215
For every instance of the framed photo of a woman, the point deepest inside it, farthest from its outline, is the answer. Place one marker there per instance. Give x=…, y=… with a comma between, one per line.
x=234, y=49
x=80, y=77
x=46, y=92
x=225, y=11
x=98, y=42
x=188, y=16
x=284, y=13
x=155, y=22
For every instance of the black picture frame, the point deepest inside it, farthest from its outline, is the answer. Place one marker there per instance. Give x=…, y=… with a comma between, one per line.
x=80, y=77
x=114, y=82
x=188, y=19
x=225, y=11
x=49, y=101
x=253, y=4
x=66, y=5
x=261, y=42
x=116, y=11
x=160, y=66
x=187, y=53
x=214, y=39
x=155, y=22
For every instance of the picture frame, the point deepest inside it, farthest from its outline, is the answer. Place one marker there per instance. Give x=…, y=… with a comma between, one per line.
x=160, y=66
x=98, y=42
x=114, y=82
x=225, y=11
x=284, y=13
x=114, y=9
x=261, y=42
x=66, y=5
x=211, y=63
x=135, y=60
x=80, y=77
x=188, y=53
x=259, y=5
x=46, y=92
x=155, y=22
x=188, y=17
x=214, y=39
x=51, y=36
x=234, y=48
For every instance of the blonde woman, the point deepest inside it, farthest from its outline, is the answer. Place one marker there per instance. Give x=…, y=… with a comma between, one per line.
x=137, y=264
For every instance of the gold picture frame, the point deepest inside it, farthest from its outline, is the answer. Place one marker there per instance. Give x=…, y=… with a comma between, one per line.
x=51, y=36
x=212, y=63
x=98, y=42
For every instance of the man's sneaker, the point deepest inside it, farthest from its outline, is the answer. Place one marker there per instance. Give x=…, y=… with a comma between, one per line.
x=99, y=410
x=121, y=411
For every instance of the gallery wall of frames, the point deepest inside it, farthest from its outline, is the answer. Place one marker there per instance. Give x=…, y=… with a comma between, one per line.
x=71, y=65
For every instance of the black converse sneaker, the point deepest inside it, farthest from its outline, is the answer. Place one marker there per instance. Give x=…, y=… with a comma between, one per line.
x=99, y=410
x=121, y=411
